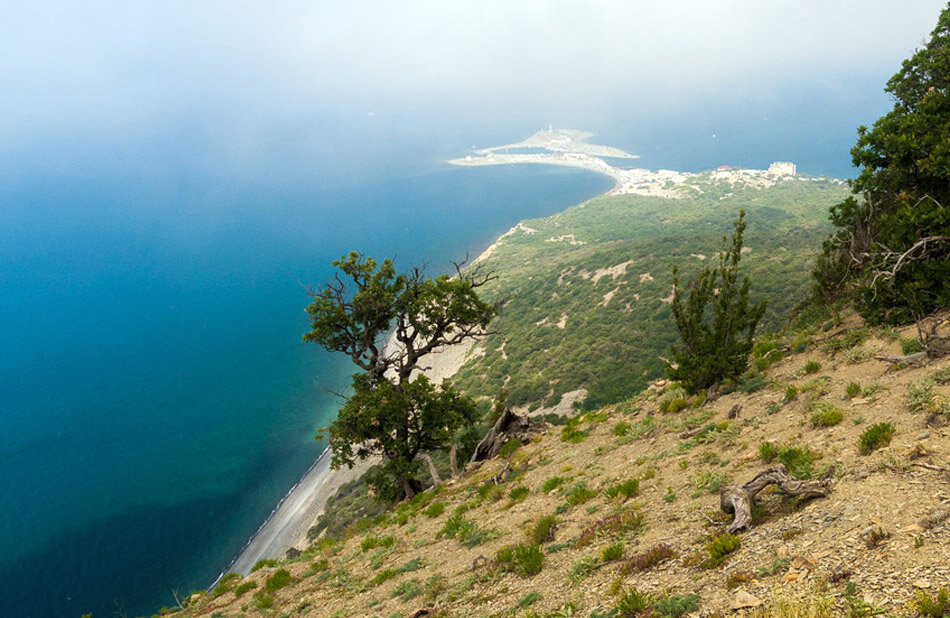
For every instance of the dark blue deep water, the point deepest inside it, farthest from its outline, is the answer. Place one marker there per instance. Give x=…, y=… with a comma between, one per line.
x=156, y=400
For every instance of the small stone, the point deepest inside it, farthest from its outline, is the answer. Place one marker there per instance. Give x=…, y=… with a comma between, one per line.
x=745, y=600
x=921, y=583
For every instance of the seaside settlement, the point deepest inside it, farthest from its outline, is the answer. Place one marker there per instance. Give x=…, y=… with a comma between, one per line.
x=569, y=147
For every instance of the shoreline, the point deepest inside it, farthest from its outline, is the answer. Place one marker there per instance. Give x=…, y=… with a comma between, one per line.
x=287, y=526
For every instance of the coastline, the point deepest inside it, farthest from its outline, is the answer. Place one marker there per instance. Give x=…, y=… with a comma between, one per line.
x=305, y=502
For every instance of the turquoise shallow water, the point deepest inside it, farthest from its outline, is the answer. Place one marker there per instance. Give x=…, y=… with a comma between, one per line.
x=157, y=399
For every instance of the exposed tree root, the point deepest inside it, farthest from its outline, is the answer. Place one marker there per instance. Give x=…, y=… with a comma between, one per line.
x=737, y=500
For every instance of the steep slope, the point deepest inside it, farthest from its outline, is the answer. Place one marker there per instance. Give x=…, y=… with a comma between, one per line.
x=630, y=492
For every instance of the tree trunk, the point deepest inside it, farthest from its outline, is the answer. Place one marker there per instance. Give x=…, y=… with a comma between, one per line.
x=453, y=460
x=737, y=500
x=436, y=479
x=407, y=489
x=509, y=426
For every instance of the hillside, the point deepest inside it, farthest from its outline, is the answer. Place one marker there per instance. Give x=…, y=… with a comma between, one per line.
x=620, y=505
x=585, y=292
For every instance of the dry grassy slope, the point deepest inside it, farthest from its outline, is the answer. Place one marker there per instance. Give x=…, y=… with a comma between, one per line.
x=793, y=554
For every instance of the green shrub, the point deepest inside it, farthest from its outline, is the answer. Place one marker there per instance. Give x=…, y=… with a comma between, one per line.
x=519, y=493
x=631, y=603
x=710, y=480
x=677, y=605
x=523, y=559
x=811, y=367
x=933, y=607
x=852, y=390
x=751, y=382
x=874, y=437
x=528, y=600
x=621, y=429
x=372, y=542
x=797, y=459
x=434, y=510
x=225, y=584
x=579, y=494
x=384, y=576
x=911, y=346
x=583, y=567
x=265, y=600
x=571, y=433
x=627, y=489
x=612, y=552
x=263, y=563
x=508, y=448
x=278, y=580
x=552, y=483
x=242, y=588
x=408, y=589
x=543, y=530
x=720, y=547
x=791, y=392
x=825, y=414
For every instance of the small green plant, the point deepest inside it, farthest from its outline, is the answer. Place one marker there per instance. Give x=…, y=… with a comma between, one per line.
x=791, y=392
x=543, y=530
x=825, y=414
x=631, y=602
x=435, y=585
x=933, y=606
x=911, y=346
x=372, y=542
x=710, y=481
x=582, y=568
x=528, y=600
x=579, y=494
x=571, y=433
x=526, y=560
x=874, y=437
x=278, y=580
x=677, y=605
x=242, y=588
x=552, y=483
x=508, y=448
x=811, y=367
x=434, y=510
x=517, y=494
x=648, y=474
x=263, y=564
x=720, y=547
x=625, y=489
x=225, y=583
x=670, y=495
x=621, y=429
x=875, y=537
x=408, y=589
x=624, y=523
x=751, y=382
x=612, y=552
x=264, y=599
x=384, y=576
x=852, y=390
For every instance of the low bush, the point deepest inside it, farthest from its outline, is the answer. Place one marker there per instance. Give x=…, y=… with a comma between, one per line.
x=264, y=563
x=582, y=568
x=621, y=429
x=278, y=580
x=526, y=560
x=721, y=546
x=225, y=584
x=579, y=494
x=676, y=605
x=627, y=489
x=625, y=523
x=408, y=589
x=372, y=542
x=874, y=437
x=242, y=588
x=543, y=530
x=631, y=603
x=751, y=382
x=648, y=559
x=825, y=414
x=434, y=510
x=553, y=483
x=612, y=552
x=852, y=390
x=933, y=606
x=517, y=494
x=811, y=367
x=797, y=459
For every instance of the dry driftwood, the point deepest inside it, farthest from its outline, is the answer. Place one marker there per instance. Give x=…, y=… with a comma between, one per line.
x=737, y=500
x=509, y=426
x=933, y=333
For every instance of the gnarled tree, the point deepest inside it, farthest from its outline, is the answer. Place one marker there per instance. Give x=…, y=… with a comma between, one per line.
x=891, y=252
x=392, y=412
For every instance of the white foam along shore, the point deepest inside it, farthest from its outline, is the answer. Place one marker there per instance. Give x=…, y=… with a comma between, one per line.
x=300, y=508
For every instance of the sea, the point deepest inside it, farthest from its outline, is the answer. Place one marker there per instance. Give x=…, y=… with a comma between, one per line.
x=156, y=399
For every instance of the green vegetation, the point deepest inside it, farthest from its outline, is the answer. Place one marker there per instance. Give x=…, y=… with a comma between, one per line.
x=797, y=459
x=398, y=417
x=579, y=494
x=933, y=606
x=891, y=250
x=648, y=559
x=825, y=414
x=721, y=546
x=627, y=489
x=716, y=322
x=611, y=347
x=278, y=580
x=619, y=525
x=677, y=605
x=874, y=437
x=543, y=530
x=526, y=560
x=263, y=563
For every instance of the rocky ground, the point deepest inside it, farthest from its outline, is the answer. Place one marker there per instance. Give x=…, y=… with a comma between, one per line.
x=645, y=474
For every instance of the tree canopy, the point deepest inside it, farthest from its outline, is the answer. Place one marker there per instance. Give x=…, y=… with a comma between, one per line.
x=890, y=252
x=716, y=321
x=393, y=411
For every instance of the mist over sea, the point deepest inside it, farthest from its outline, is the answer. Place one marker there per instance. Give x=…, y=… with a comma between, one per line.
x=156, y=400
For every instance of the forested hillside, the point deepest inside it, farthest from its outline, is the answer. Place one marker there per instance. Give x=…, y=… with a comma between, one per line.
x=586, y=292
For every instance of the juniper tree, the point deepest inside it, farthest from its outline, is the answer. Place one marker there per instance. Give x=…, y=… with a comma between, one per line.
x=394, y=411
x=716, y=321
x=891, y=251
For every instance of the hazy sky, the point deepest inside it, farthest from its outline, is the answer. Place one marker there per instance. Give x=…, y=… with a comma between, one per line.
x=126, y=67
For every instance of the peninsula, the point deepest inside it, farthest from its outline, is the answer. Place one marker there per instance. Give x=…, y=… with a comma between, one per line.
x=569, y=147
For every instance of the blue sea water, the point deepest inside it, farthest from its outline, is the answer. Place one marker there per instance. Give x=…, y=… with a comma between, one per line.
x=157, y=400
